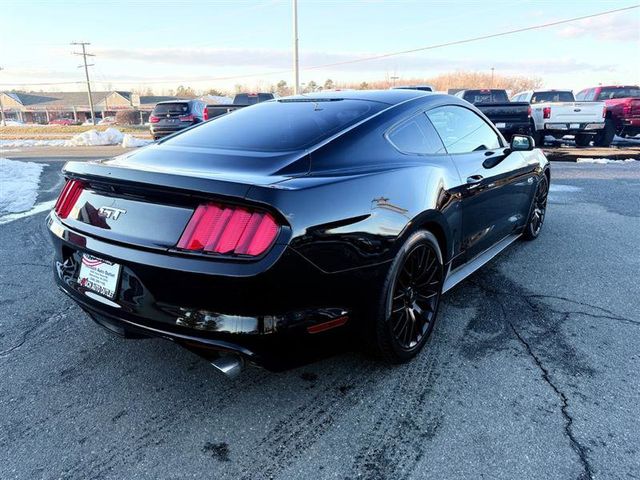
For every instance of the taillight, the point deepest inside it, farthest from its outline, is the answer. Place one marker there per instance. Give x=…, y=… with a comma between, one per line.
x=546, y=112
x=68, y=197
x=187, y=118
x=229, y=230
x=205, y=113
x=154, y=119
x=626, y=108
x=604, y=111
x=529, y=111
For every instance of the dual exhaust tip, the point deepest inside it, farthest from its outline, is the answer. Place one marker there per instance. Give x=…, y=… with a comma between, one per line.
x=230, y=366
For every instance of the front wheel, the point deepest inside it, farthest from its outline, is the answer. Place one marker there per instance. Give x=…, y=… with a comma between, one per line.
x=538, y=138
x=411, y=297
x=582, y=140
x=538, y=210
x=605, y=136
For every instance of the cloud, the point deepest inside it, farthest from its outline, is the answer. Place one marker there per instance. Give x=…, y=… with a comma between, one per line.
x=251, y=60
x=623, y=27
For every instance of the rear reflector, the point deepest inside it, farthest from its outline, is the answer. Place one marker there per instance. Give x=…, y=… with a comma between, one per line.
x=321, y=327
x=68, y=197
x=229, y=230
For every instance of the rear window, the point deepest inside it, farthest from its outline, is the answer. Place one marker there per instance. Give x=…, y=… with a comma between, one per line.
x=540, y=97
x=486, y=96
x=279, y=125
x=251, y=99
x=169, y=108
x=619, y=92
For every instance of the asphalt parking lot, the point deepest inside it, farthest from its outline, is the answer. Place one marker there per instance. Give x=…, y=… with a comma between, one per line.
x=533, y=371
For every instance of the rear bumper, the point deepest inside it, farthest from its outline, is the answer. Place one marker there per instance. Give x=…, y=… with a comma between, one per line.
x=574, y=128
x=269, y=316
x=162, y=131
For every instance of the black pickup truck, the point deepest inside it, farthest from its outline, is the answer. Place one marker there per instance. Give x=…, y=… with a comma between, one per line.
x=239, y=101
x=508, y=117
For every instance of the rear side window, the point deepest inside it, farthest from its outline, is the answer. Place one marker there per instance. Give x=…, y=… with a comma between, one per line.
x=416, y=136
x=171, y=108
x=540, y=97
x=463, y=131
x=279, y=125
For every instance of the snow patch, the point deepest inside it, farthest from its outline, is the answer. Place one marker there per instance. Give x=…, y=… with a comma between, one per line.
x=604, y=160
x=39, y=208
x=129, y=141
x=19, y=183
x=111, y=136
x=557, y=187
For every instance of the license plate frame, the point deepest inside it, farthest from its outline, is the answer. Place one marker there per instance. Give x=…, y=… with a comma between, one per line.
x=99, y=276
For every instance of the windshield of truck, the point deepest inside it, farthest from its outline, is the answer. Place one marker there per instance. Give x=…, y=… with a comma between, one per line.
x=540, y=97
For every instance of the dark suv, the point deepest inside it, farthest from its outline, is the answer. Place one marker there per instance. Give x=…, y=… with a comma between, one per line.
x=174, y=115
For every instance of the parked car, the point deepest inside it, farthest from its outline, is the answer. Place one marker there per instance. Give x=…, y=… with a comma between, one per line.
x=175, y=115
x=241, y=100
x=509, y=117
x=107, y=121
x=556, y=113
x=623, y=106
x=424, y=88
x=64, y=121
x=297, y=222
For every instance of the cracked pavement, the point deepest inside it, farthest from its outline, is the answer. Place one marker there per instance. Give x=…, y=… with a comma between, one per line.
x=533, y=372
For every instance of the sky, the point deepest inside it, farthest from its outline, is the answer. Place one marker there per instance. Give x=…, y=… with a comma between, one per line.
x=218, y=44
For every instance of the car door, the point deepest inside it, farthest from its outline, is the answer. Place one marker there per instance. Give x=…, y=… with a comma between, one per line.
x=498, y=183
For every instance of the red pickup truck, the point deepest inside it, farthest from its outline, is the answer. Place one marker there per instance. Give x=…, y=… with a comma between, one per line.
x=623, y=106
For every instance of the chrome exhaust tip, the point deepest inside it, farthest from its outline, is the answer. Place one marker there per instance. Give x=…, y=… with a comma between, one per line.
x=230, y=365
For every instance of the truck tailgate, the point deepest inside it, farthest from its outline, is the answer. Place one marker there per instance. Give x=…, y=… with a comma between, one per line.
x=577, y=112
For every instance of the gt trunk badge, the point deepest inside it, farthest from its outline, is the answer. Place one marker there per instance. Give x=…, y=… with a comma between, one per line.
x=112, y=213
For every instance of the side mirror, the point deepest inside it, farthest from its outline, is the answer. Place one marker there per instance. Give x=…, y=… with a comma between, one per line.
x=522, y=143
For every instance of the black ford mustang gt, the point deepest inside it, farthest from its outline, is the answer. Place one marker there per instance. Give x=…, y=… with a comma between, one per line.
x=296, y=222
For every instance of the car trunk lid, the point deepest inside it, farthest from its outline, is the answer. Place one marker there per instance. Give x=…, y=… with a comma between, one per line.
x=147, y=199
x=577, y=112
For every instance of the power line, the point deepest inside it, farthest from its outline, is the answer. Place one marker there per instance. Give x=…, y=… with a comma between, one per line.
x=376, y=57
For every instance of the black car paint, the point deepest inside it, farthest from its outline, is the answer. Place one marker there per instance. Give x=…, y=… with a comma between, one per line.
x=346, y=206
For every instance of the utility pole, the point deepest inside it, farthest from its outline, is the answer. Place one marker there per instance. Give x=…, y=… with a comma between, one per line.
x=86, y=72
x=492, y=69
x=4, y=122
x=394, y=78
x=296, y=71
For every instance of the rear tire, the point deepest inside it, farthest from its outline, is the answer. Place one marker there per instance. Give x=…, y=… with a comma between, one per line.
x=538, y=210
x=582, y=140
x=605, y=137
x=410, y=299
x=538, y=137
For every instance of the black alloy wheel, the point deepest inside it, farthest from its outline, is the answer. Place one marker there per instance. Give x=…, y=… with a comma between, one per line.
x=538, y=210
x=413, y=290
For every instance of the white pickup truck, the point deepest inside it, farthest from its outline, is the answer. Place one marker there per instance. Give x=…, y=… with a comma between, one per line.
x=556, y=113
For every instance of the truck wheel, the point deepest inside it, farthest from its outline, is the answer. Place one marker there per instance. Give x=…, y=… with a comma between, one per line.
x=605, y=137
x=582, y=140
x=538, y=137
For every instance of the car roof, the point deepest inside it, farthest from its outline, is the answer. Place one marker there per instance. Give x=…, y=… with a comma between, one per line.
x=391, y=97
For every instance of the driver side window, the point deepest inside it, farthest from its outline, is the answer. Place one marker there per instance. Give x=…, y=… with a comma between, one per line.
x=462, y=130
